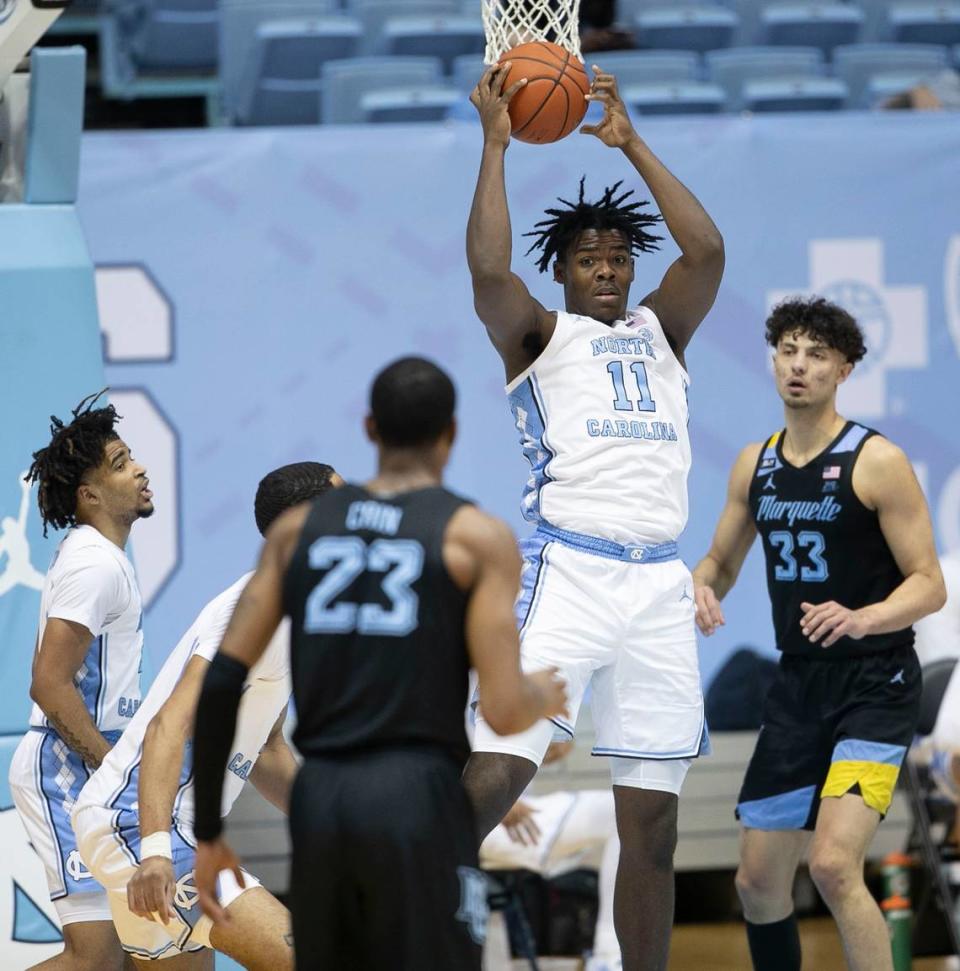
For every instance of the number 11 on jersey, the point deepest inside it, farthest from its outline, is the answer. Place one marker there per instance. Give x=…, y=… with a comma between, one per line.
x=621, y=402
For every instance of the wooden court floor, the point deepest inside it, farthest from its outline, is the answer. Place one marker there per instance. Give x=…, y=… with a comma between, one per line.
x=723, y=947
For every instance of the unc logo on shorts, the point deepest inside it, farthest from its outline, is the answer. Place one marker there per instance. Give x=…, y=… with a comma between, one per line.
x=473, y=909
x=75, y=867
x=637, y=554
x=186, y=895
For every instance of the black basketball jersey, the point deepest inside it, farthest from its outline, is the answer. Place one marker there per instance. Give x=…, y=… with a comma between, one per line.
x=377, y=647
x=821, y=543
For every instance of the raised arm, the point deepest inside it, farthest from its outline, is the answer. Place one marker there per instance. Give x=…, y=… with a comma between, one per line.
x=64, y=646
x=884, y=480
x=152, y=887
x=689, y=287
x=715, y=575
x=485, y=559
x=500, y=297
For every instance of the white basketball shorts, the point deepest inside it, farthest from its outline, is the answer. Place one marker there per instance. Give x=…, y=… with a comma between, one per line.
x=45, y=779
x=113, y=854
x=619, y=621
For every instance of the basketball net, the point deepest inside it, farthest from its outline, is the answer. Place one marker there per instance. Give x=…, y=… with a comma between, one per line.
x=508, y=23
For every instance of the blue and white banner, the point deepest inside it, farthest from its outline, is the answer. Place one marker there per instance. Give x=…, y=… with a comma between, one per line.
x=50, y=359
x=251, y=282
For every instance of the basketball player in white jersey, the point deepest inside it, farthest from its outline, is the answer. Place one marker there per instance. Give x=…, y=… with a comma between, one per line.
x=599, y=394
x=86, y=668
x=134, y=819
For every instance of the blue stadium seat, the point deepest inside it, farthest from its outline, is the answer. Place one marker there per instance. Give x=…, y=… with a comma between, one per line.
x=799, y=94
x=642, y=67
x=733, y=68
x=415, y=104
x=239, y=20
x=280, y=84
x=344, y=83
x=926, y=23
x=443, y=36
x=751, y=31
x=889, y=83
x=467, y=70
x=876, y=23
x=375, y=13
x=857, y=63
x=823, y=25
x=956, y=55
x=176, y=35
x=689, y=27
x=673, y=98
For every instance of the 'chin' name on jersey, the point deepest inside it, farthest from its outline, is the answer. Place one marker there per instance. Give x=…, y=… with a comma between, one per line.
x=652, y=431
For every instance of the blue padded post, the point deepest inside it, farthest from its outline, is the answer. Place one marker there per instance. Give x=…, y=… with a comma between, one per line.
x=54, y=124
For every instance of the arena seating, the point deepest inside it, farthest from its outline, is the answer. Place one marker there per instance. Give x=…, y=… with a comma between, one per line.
x=270, y=56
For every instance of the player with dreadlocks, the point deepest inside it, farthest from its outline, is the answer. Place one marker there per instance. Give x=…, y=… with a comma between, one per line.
x=86, y=667
x=598, y=392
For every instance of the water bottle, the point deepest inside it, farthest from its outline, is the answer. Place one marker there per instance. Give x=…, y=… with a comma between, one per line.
x=895, y=869
x=899, y=919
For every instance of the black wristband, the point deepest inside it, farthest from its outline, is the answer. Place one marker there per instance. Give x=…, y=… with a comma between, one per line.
x=215, y=725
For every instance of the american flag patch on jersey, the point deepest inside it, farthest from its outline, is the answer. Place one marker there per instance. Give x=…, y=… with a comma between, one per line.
x=831, y=472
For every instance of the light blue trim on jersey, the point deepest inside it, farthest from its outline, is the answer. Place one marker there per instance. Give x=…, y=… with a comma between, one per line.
x=564, y=726
x=534, y=552
x=48, y=813
x=59, y=776
x=630, y=753
x=91, y=685
x=641, y=553
x=769, y=460
x=789, y=810
x=859, y=750
x=851, y=440
x=104, y=668
x=533, y=432
x=703, y=748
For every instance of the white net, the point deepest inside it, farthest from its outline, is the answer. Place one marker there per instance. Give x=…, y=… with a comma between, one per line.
x=508, y=23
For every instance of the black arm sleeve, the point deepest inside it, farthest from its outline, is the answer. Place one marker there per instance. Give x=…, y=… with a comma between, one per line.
x=213, y=734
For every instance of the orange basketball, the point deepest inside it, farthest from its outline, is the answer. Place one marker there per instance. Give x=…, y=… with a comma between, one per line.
x=551, y=104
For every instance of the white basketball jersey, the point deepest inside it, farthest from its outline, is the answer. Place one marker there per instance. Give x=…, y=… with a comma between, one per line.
x=266, y=690
x=91, y=582
x=602, y=415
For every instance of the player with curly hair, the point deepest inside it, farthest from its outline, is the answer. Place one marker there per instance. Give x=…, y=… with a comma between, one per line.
x=598, y=392
x=851, y=565
x=86, y=670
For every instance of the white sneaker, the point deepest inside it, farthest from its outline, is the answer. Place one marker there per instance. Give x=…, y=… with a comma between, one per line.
x=604, y=962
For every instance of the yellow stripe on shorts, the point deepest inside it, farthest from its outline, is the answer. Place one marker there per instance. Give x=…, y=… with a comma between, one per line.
x=876, y=781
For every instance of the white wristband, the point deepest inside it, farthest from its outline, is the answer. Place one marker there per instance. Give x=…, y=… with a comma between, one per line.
x=156, y=844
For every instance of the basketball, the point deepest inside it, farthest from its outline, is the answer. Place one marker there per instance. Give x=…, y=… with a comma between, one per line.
x=552, y=102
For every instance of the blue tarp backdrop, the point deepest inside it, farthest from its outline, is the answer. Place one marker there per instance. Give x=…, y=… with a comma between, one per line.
x=297, y=262
x=250, y=283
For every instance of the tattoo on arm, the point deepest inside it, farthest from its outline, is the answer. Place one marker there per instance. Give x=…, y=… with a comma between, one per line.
x=74, y=743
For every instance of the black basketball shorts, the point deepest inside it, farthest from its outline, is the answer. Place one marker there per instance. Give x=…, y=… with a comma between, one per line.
x=384, y=865
x=831, y=727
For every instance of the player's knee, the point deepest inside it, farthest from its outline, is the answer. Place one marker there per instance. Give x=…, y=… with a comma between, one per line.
x=651, y=840
x=754, y=885
x=89, y=957
x=834, y=872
